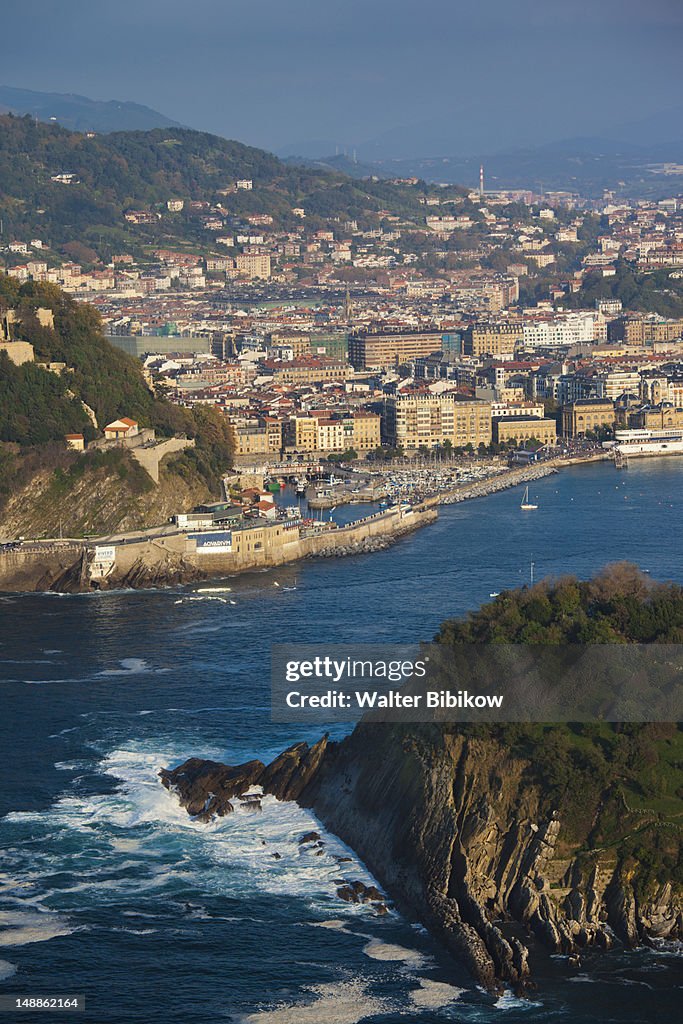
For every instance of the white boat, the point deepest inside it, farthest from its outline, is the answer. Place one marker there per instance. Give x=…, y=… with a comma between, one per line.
x=526, y=504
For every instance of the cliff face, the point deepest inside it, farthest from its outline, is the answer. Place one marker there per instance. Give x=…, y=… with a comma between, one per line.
x=100, y=500
x=463, y=840
x=457, y=831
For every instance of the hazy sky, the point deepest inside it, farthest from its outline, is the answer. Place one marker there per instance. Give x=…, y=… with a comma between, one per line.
x=453, y=75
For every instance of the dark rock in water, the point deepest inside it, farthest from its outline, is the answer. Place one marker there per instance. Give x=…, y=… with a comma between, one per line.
x=358, y=892
x=206, y=788
x=277, y=856
x=310, y=837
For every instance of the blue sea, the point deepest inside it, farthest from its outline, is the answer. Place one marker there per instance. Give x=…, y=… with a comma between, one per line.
x=108, y=889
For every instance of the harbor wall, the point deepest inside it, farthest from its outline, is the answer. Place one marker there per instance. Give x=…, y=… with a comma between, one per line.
x=175, y=558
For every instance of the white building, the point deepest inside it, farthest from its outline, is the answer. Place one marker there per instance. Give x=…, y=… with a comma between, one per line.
x=563, y=329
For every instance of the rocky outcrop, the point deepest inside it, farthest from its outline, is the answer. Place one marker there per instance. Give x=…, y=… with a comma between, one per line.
x=171, y=570
x=207, y=789
x=460, y=838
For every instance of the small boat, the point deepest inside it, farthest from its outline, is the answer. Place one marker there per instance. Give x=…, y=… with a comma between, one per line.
x=526, y=504
x=495, y=593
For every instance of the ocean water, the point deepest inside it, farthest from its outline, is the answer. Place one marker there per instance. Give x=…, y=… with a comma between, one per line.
x=108, y=889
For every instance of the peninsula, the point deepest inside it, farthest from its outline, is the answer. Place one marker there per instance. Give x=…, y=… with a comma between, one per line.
x=496, y=837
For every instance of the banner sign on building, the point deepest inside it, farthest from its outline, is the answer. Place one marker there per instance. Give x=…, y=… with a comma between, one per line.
x=213, y=543
x=103, y=561
x=105, y=554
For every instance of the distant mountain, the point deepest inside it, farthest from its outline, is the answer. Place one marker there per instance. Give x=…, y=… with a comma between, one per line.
x=587, y=166
x=80, y=113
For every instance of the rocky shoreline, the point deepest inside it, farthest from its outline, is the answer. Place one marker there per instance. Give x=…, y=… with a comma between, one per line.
x=446, y=826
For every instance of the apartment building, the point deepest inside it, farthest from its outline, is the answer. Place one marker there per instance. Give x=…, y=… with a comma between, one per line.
x=253, y=265
x=383, y=350
x=326, y=432
x=306, y=370
x=554, y=331
x=488, y=338
x=420, y=419
x=298, y=341
x=524, y=428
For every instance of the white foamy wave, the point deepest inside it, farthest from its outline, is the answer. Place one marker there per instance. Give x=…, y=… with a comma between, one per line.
x=509, y=1001
x=22, y=928
x=434, y=994
x=7, y=970
x=378, y=950
x=334, y=925
x=129, y=667
x=345, y=1002
x=248, y=850
x=667, y=947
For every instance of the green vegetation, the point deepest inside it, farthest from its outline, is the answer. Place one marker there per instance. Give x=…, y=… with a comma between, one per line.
x=143, y=170
x=616, y=786
x=35, y=406
x=38, y=406
x=647, y=292
x=618, y=606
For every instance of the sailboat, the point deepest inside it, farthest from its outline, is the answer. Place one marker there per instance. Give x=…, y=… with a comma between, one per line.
x=526, y=504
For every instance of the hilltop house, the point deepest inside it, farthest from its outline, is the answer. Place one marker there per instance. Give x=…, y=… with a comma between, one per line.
x=117, y=430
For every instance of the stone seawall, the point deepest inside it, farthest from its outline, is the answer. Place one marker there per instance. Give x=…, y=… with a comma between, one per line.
x=167, y=560
x=492, y=484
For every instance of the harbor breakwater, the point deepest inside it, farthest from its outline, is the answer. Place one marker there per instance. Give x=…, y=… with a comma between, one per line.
x=159, y=559
x=492, y=484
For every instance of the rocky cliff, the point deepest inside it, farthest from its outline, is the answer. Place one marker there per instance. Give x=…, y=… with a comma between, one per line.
x=501, y=836
x=464, y=839
x=80, y=498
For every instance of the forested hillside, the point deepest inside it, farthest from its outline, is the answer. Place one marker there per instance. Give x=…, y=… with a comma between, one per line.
x=38, y=406
x=143, y=170
x=594, y=772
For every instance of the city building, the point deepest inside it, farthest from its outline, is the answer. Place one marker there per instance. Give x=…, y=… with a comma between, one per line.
x=586, y=415
x=488, y=338
x=383, y=350
x=524, y=428
x=420, y=419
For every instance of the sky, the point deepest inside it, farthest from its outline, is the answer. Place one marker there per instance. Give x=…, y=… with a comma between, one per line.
x=389, y=77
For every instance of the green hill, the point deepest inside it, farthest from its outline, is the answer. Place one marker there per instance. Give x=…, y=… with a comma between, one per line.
x=39, y=406
x=143, y=170
x=650, y=291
